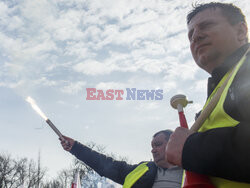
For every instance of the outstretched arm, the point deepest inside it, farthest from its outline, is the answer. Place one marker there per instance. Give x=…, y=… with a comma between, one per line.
x=103, y=165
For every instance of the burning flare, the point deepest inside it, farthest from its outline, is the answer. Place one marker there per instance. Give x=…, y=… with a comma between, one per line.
x=39, y=111
x=36, y=108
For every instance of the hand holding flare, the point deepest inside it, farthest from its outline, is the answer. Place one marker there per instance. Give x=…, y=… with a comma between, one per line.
x=192, y=180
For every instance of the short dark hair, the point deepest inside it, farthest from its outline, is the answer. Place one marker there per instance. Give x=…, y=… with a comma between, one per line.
x=166, y=132
x=233, y=14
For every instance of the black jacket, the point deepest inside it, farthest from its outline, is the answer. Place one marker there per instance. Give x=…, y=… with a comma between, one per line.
x=112, y=169
x=225, y=152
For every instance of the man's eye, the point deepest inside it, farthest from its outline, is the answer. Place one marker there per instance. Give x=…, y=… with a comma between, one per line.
x=190, y=35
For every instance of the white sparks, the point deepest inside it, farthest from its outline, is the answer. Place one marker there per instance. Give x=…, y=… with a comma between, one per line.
x=36, y=108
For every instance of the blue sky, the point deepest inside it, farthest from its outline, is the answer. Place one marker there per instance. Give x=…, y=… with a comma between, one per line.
x=54, y=50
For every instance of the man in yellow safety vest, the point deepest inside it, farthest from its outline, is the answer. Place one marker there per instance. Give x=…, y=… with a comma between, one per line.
x=218, y=36
x=148, y=174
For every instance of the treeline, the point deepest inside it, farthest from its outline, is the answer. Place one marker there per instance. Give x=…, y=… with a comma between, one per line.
x=14, y=172
x=26, y=173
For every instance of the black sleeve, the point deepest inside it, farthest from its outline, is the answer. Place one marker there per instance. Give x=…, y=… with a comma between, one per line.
x=221, y=152
x=225, y=152
x=103, y=165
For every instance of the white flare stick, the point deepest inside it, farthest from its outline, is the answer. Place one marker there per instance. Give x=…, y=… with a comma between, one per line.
x=39, y=111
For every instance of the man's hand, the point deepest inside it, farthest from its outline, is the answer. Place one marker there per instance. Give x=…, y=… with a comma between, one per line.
x=67, y=143
x=175, y=145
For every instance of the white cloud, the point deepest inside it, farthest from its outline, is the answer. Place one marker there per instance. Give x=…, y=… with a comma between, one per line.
x=9, y=21
x=140, y=29
x=200, y=85
x=110, y=85
x=45, y=82
x=149, y=49
x=79, y=50
x=10, y=46
x=112, y=9
x=39, y=48
x=184, y=70
x=147, y=106
x=169, y=85
x=12, y=85
x=37, y=13
x=64, y=103
x=140, y=17
x=73, y=88
x=15, y=23
x=12, y=68
x=152, y=66
x=4, y=10
x=92, y=67
x=146, y=31
x=109, y=35
x=67, y=26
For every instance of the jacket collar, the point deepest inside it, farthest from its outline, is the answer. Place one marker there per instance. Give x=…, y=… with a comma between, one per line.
x=220, y=71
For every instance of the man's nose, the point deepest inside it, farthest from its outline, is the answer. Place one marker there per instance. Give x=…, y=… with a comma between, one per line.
x=153, y=150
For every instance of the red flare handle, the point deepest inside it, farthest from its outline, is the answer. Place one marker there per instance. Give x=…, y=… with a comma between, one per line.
x=183, y=120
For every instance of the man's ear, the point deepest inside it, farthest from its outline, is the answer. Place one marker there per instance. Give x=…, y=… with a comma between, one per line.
x=242, y=31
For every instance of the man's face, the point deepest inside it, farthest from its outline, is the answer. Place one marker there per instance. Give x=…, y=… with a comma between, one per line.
x=212, y=38
x=159, y=144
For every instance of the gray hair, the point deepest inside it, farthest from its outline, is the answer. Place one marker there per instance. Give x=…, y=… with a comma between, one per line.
x=166, y=132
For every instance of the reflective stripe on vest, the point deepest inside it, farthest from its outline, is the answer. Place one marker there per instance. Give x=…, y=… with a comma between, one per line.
x=133, y=176
x=183, y=178
x=219, y=118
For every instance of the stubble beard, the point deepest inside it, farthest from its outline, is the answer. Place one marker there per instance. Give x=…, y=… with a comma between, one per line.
x=209, y=60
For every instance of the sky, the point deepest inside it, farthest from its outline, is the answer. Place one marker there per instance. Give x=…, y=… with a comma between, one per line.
x=54, y=50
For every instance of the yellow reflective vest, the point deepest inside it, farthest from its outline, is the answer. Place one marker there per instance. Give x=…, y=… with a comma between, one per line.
x=137, y=173
x=133, y=176
x=219, y=118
